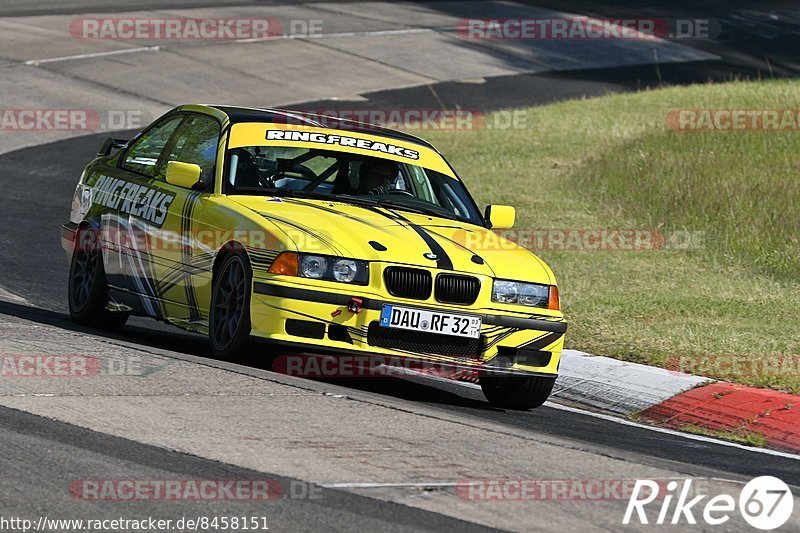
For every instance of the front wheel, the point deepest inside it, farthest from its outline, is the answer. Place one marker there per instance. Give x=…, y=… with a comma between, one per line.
x=516, y=392
x=229, y=320
x=87, y=291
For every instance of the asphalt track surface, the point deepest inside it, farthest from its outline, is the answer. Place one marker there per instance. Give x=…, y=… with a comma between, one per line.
x=37, y=188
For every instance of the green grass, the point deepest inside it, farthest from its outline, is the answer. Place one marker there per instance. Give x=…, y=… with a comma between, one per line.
x=742, y=436
x=612, y=162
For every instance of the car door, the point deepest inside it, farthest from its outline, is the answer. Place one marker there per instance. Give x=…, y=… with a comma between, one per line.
x=180, y=258
x=138, y=211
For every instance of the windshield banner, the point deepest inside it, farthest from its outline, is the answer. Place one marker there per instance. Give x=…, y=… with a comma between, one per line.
x=267, y=134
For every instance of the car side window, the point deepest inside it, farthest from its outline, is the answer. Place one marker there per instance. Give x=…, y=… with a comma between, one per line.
x=143, y=155
x=196, y=142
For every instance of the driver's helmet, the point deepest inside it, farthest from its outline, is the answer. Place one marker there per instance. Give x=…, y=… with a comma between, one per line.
x=376, y=176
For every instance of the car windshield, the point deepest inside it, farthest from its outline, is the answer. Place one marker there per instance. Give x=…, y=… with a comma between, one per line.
x=352, y=178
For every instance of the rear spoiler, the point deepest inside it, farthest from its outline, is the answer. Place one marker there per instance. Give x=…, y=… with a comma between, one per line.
x=111, y=144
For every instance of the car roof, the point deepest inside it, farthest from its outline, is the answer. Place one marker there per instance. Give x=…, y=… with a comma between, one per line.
x=248, y=114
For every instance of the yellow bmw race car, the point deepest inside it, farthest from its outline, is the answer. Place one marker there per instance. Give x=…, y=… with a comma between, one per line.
x=326, y=235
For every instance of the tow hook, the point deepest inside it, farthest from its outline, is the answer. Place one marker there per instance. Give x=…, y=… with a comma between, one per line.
x=354, y=306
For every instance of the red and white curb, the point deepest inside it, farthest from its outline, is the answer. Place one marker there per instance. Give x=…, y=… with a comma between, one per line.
x=679, y=401
x=727, y=407
x=617, y=386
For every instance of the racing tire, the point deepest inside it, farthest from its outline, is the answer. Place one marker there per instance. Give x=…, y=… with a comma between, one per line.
x=87, y=290
x=229, y=318
x=518, y=393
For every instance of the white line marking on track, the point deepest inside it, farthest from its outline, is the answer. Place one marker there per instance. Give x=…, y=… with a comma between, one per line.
x=37, y=62
x=383, y=485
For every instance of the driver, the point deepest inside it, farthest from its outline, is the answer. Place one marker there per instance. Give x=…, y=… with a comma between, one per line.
x=247, y=174
x=375, y=176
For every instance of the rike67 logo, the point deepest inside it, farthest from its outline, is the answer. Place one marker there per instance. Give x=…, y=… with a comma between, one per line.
x=765, y=503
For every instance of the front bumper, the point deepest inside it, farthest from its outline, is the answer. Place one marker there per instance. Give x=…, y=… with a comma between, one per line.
x=316, y=319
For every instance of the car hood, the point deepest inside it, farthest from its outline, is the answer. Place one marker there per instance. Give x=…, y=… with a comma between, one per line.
x=395, y=236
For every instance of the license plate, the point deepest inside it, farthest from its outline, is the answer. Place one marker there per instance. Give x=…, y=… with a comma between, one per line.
x=393, y=316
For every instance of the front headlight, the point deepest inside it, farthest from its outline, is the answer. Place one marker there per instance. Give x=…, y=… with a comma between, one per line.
x=313, y=266
x=533, y=294
x=505, y=292
x=345, y=270
x=329, y=268
x=527, y=294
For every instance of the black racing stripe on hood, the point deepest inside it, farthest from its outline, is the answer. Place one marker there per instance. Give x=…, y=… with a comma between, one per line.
x=463, y=247
x=443, y=260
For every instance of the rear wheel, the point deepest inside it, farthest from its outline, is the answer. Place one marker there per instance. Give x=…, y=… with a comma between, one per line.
x=88, y=292
x=229, y=320
x=515, y=391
